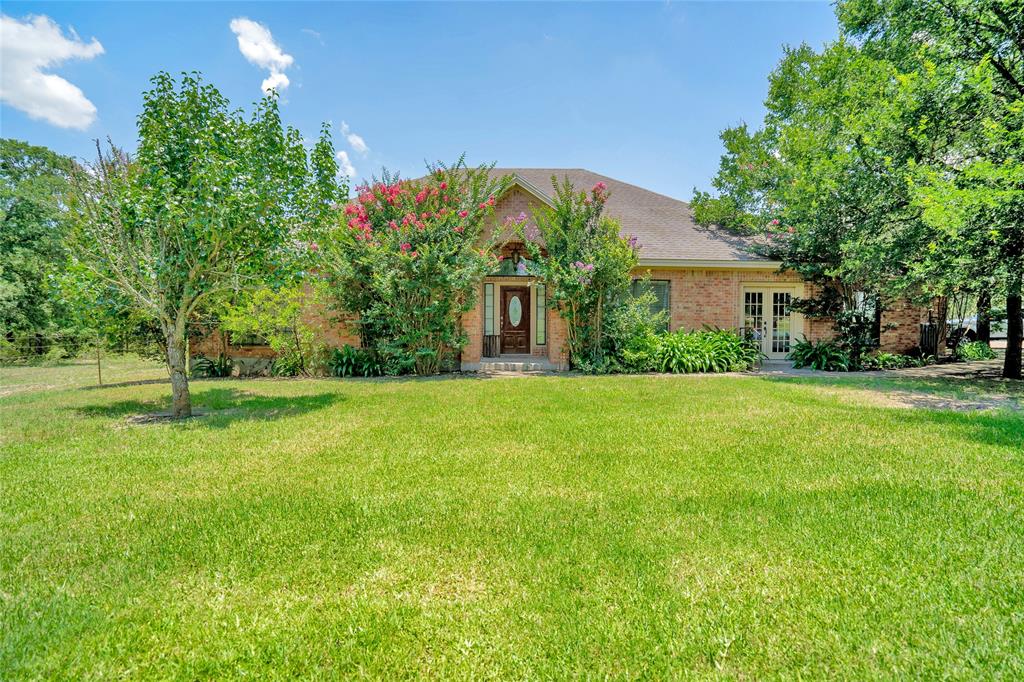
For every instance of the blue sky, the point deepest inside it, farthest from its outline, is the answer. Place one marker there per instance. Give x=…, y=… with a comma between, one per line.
x=636, y=91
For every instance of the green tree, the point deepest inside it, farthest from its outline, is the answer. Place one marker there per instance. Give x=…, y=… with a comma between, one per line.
x=281, y=316
x=579, y=254
x=967, y=57
x=33, y=182
x=890, y=162
x=826, y=183
x=211, y=202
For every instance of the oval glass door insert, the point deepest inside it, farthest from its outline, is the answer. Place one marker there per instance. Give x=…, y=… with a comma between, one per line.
x=515, y=311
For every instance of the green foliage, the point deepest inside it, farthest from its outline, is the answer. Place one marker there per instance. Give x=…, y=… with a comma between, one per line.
x=410, y=259
x=349, y=361
x=211, y=203
x=204, y=367
x=287, y=365
x=891, y=161
x=579, y=254
x=705, y=350
x=282, y=317
x=884, y=360
x=632, y=331
x=826, y=356
x=33, y=184
x=974, y=350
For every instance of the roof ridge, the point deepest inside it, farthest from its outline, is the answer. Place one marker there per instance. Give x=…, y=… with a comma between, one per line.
x=600, y=175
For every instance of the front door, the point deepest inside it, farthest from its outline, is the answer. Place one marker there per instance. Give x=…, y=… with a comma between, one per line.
x=515, y=320
x=767, y=317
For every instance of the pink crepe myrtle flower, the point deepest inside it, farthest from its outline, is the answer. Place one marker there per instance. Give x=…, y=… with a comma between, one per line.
x=314, y=247
x=775, y=221
x=405, y=247
x=463, y=214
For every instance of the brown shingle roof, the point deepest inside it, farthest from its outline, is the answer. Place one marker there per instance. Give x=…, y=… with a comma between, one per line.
x=664, y=226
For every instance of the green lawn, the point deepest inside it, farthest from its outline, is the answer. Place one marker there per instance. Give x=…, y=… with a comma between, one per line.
x=524, y=527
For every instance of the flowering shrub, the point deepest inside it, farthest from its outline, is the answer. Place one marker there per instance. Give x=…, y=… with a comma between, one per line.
x=408, y=261
x=586, y=265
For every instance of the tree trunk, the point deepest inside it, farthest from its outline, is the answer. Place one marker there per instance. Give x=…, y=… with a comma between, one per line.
x=181, y=401
x=1014, y=332
x=985, y=316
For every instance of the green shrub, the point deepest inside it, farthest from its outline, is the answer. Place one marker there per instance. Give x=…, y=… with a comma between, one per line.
x=640, y=353
x=287, y=365
x=350, y=361
x=825, y=356
x=883, y=360
x=54, y=356
x=705, y=350
x=974, y=350
x=205, y=367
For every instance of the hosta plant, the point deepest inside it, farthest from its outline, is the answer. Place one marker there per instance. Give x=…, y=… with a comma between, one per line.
x=825, y=356
x=974, y=350
x=204, y=367
x=349, y=361
x=705, y=350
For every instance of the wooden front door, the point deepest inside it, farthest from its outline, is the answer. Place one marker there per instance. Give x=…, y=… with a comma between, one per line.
x=515, y=320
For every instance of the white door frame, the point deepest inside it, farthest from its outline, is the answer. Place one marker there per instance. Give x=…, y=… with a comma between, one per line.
x=774, y=348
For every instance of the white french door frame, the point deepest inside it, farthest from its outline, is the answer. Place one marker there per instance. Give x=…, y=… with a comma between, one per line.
x=777, y=324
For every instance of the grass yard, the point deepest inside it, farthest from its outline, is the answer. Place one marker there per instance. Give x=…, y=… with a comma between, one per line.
x=522, y=527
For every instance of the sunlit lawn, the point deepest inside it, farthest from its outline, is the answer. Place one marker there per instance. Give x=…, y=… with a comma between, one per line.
x=524, y=527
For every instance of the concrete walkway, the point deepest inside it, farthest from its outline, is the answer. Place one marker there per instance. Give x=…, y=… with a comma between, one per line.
x=981, y=369
x=959, y=386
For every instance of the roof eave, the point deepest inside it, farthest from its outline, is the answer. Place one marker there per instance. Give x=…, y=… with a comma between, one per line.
x=705, y=263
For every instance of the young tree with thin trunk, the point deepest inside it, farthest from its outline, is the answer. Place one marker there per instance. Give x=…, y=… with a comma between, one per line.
x=211, y=202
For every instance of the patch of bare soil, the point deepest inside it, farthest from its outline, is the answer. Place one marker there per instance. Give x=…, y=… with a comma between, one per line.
x=159, y=418
x=932, y=401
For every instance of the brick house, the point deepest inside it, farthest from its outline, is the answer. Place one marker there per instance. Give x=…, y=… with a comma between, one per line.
x=701, y=276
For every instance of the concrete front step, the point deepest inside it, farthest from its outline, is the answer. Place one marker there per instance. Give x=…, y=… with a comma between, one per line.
x=511, y=363
x=516, y=366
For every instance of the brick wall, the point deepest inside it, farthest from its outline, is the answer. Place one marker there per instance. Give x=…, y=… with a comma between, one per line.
x=705, y=296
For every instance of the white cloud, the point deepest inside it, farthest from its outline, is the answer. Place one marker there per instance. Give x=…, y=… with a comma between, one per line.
x=275, y=81
x=355, y=141
x=26, y=49
x=345, y=164
x=315, y=34
x=257, y=45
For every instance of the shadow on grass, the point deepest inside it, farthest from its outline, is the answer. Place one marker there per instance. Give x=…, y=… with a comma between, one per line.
x=122, y=384
x=984, y=390
x=982, y=414
x=215, y=408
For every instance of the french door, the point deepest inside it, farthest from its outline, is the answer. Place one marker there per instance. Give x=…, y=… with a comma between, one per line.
x=768, y=318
